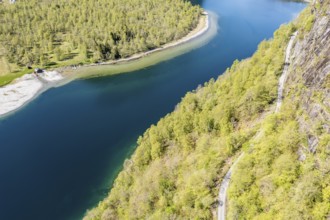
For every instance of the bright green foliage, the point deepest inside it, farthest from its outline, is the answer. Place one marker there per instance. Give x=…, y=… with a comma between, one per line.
x=48, y=32
x=283, y=175
x=305, y=22
x=178, y=163
x=271, y=182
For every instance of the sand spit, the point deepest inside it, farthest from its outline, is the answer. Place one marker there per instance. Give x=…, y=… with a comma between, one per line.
x=23, y=89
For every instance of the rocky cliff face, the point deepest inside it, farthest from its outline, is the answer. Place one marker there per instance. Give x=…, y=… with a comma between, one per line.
x=310, y=74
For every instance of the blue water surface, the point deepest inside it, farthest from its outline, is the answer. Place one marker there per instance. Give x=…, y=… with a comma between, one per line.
x=60, y=154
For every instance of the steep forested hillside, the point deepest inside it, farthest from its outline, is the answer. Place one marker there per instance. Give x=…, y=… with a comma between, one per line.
x=286, y=171
x=48, y=33
x=179, y=163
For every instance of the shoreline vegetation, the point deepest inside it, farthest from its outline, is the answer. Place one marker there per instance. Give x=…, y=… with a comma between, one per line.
x=200, y=29
x=63, y=33
x=24, y=89
x=176, y=167
x=179, y=162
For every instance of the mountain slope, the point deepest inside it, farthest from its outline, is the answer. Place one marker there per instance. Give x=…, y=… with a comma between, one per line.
x=286, y=173
x=180, y=162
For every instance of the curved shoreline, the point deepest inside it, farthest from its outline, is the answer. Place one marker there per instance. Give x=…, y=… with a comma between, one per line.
x=201, y=28
x=20, y=92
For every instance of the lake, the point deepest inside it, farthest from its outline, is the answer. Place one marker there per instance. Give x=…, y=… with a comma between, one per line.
x=60, y=154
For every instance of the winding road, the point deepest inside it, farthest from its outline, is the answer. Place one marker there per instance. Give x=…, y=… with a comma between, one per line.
x=226, y=180
x=284, y=74
x=223, y=190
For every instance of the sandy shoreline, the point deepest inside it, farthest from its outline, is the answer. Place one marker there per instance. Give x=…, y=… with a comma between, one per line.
x=14, y=95
x=201, y=28
x=24, y=89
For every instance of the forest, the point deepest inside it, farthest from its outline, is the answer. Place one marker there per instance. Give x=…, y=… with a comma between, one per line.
x=179, y=163
x=286, y=172
x=60, y=32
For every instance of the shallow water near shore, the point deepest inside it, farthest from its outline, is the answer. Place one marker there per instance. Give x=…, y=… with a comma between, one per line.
x=60, y=154
x=202, y=36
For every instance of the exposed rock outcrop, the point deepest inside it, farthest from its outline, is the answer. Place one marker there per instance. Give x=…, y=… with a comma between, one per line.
x=310, y=71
